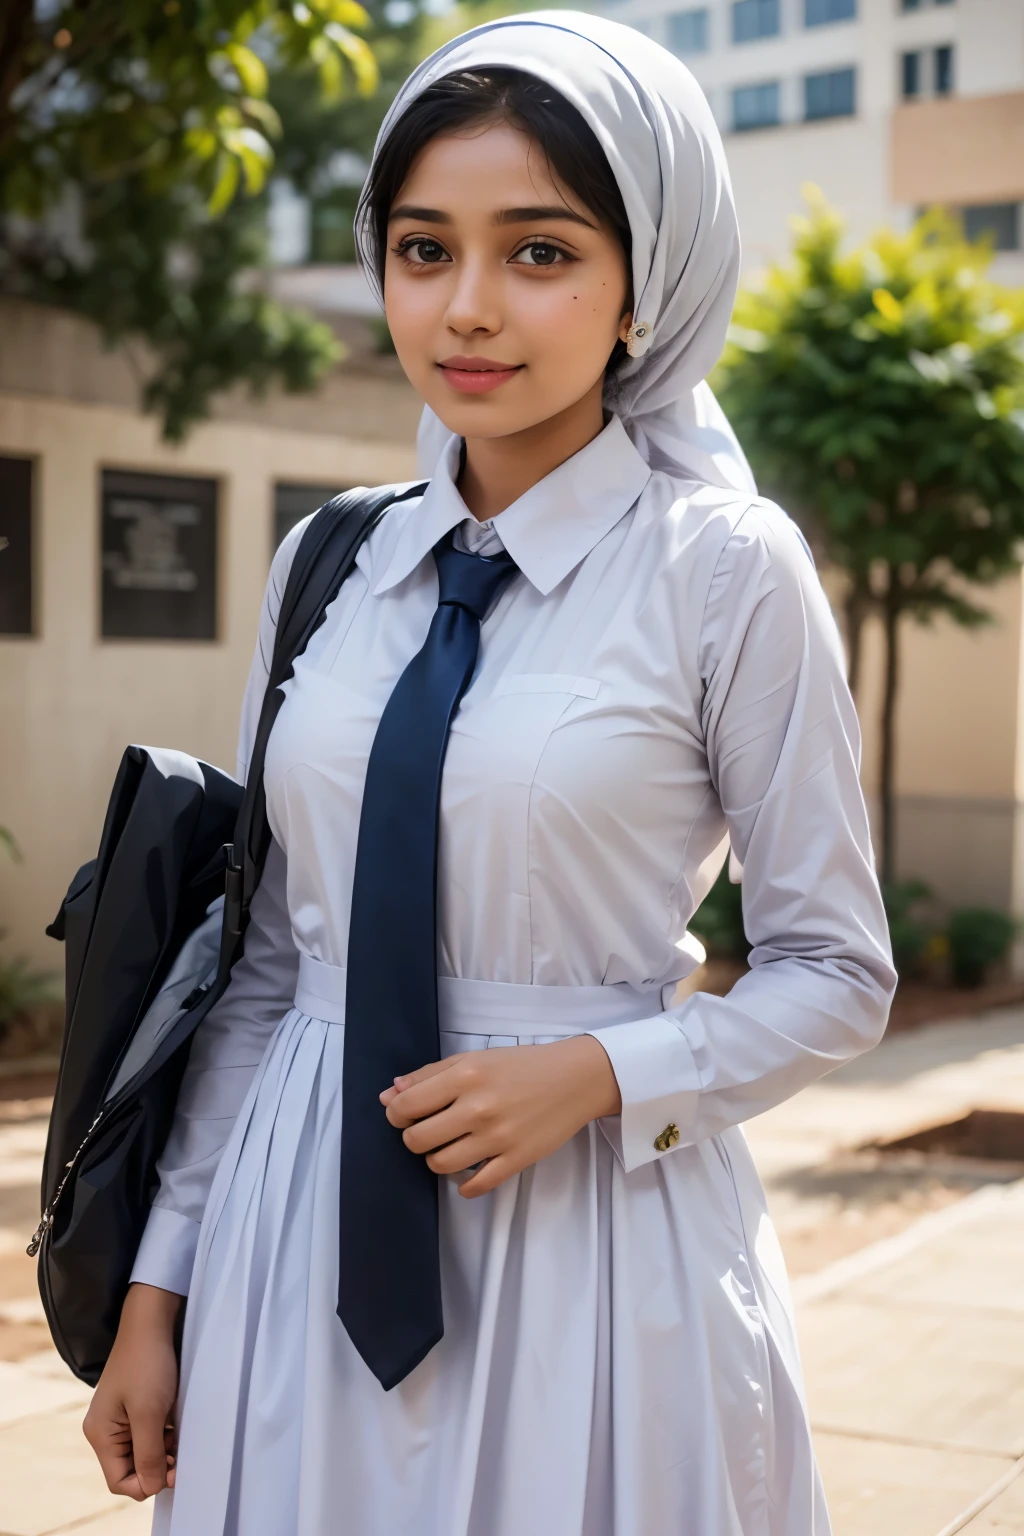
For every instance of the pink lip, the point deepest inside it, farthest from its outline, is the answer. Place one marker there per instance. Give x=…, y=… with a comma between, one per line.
x=476, y=375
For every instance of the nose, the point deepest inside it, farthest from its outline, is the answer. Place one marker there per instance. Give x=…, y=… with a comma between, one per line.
x=474, y=301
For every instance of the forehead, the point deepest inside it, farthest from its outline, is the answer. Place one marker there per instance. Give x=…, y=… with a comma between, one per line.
x=486, y=166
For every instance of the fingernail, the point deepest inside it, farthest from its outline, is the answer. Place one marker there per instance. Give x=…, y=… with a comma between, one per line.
x=399, y=1082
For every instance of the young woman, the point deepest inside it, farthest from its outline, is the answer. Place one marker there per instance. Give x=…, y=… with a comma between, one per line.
x=528, y=1291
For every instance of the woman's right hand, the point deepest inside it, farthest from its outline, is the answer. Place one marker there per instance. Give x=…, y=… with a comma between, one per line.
x=129, y=1422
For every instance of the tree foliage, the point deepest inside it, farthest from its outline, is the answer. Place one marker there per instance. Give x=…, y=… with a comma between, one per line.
x=880, y=397
x=128, y=131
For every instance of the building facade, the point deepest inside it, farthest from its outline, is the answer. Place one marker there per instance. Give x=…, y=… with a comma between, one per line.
x=887, y=105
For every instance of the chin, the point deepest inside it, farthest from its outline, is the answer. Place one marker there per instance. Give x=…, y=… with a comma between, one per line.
x=487, y=423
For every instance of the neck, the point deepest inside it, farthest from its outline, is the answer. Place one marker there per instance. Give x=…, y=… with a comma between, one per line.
x=498, y=470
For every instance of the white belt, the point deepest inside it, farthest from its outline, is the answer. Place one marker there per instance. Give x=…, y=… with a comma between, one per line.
x=469, y=1007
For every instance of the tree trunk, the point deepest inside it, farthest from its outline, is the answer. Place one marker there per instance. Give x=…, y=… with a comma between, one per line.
x=887, y=745
x=17, y=30
x=855, y=611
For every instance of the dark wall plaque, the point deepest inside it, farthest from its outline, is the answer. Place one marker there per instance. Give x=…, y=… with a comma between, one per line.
x=15, y=546
x=294, y=502
x=159, y=544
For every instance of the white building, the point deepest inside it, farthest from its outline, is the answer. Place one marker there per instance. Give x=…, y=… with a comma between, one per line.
x=887, y=105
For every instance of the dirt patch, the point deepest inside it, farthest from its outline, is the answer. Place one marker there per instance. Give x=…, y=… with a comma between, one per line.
x=826, y=1212
x=845, y=1231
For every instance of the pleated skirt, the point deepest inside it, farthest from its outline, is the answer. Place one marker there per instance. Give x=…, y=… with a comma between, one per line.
x=619, y=1357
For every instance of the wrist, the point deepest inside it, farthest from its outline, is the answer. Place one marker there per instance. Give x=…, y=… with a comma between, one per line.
x=149, y=1304
x=596, y=1076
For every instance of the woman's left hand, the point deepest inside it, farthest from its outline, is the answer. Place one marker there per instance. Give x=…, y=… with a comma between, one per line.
x=506, y=1107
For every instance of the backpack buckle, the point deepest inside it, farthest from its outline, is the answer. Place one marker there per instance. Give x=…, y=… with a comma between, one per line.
x=232, y=893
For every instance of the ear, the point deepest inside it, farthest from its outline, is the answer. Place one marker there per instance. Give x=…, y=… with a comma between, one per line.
x=624, y=325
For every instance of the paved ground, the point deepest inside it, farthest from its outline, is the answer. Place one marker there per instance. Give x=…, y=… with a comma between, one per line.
x=907, y=1282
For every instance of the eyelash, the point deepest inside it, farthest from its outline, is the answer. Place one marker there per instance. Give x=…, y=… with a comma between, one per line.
x=403, y=248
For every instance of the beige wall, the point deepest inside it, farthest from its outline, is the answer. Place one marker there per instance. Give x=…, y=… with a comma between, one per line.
x=69, y=701
x=959, y=751
x=958, y=725
x=959, y=150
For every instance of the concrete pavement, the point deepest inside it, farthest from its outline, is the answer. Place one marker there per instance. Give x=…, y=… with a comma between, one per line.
x=913, y=1343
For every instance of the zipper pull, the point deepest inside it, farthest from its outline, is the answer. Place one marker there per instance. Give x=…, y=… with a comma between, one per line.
x=37, y=1235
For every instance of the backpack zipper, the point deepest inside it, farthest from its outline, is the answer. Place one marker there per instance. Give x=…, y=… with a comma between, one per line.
x=46, y=1220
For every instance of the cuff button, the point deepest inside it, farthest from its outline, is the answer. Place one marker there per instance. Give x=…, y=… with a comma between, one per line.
x=668, y=1137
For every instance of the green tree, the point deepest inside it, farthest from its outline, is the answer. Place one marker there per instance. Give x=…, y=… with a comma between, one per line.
x=879, y=395
x=128, y=129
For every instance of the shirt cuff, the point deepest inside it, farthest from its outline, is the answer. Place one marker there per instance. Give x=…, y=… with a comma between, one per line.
x=167, y=1251
x=659, y=1084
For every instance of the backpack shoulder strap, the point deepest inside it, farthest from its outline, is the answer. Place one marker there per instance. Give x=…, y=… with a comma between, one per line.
x=325, y=556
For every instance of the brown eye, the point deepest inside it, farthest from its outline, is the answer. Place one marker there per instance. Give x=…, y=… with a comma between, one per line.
x=424, y=252
x=540, y=254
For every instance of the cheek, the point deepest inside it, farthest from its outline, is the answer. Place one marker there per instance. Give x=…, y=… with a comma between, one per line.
x=412, y=309
x=573, y=321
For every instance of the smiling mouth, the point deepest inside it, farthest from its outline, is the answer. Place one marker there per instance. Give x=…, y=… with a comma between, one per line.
x=477, y=376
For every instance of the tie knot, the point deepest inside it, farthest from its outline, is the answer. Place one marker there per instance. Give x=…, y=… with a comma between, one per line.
x=470, y=581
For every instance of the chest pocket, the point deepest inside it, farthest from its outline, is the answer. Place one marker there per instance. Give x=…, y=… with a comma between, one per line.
x=501, y=736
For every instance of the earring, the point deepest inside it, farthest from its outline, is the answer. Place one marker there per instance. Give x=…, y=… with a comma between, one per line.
x=639, y=338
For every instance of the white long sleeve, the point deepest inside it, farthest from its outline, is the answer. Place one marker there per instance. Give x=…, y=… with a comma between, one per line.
x=230, y=1042
x=784, y=763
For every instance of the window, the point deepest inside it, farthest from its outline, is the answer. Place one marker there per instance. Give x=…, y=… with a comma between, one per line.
x=294, y=502
x=926, y=71
x=911, y=75
x=755, y=106
x=999, y=222
x=688, y=32
x=832, y=94
x=16, y=546
x=159, y=548
x=754, y=18
x=818, y=13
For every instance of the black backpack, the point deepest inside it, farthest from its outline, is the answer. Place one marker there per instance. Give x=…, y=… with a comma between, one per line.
x=152, y=927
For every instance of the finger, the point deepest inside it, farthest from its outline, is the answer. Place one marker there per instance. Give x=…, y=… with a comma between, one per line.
x=427, y=1098
x=149, y=1446
x=112, y=1444
x=436, y=1131
x=423, y=1074
x=494, y=1172
x=459, y=1155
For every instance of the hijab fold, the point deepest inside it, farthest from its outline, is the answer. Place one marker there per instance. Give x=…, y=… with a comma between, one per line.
x=655, y=126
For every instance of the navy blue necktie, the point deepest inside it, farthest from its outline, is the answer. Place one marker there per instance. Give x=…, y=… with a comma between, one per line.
x=389, y=1279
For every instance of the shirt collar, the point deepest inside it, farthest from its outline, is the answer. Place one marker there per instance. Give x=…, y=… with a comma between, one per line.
x=550, y=529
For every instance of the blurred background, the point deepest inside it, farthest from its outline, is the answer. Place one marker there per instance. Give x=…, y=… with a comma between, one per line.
x=190, y=361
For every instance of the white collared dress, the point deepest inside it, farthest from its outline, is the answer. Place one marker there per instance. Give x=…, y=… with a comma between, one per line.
x=663, y=678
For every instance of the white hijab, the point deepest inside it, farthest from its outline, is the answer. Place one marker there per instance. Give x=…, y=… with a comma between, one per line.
x=656, y=128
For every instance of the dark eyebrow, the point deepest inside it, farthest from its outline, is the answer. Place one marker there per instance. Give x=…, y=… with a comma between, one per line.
x=540, y=213
x=506, y=216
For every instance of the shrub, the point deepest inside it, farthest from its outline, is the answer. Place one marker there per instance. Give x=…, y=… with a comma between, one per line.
x=978, y=938
x=718, y=921
x=22, y=989
x=908, y=934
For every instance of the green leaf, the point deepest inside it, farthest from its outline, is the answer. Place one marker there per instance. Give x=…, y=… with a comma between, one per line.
x=9, y=844
x=226, y=185
x=249, y=67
